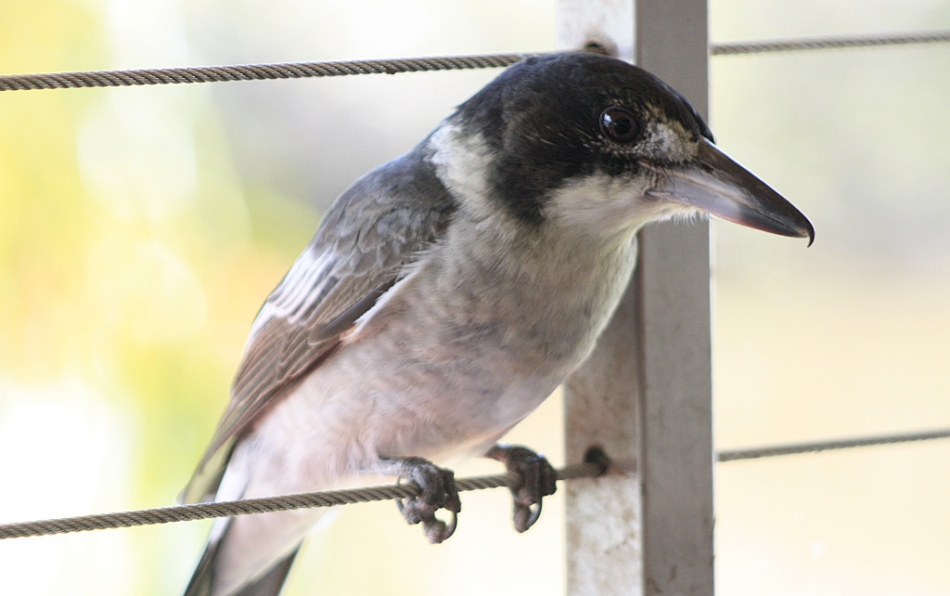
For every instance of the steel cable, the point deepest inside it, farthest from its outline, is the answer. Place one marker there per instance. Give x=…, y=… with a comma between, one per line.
x=595, y=465
x=249, y=72
x=296, y=70
x=817, y=446
x=826, y=43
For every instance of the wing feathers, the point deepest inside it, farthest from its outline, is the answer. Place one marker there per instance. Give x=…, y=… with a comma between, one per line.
x=367, y=239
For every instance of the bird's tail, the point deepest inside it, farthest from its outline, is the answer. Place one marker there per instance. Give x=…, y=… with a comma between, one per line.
x=269, y=584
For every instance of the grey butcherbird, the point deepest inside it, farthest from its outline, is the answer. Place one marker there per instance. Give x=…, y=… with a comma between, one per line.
x=449, y=291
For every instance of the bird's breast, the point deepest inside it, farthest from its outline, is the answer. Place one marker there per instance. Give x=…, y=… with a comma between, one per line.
x=451, y=358
x=481, y=347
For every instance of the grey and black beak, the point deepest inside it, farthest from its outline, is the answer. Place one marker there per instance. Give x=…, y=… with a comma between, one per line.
x=717, y=184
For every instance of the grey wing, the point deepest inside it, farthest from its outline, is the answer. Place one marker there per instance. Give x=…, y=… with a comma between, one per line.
x=365, y=243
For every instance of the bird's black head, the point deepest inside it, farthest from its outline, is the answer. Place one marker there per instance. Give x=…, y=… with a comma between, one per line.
x=556, y=118
x=601, y=145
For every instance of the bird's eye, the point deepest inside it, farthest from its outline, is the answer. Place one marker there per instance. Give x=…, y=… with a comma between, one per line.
x=618, y=124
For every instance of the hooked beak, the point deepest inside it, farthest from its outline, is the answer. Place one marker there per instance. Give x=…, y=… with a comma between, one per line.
x=718, y=185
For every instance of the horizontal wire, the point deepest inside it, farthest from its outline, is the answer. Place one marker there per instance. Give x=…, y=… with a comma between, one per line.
x=826, y=43
x=296, y=70
x=815, y=447
x=251, y=72
x=595, y=466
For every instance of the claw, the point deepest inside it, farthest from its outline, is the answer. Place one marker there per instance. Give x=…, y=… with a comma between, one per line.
x=525, y=516
x=438, y=492
x=537, y=480
x=437, y=531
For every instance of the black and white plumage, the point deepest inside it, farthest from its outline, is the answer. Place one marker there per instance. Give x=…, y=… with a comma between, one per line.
x=448, y=292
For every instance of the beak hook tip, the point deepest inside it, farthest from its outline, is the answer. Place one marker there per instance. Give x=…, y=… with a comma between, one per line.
x=810, y=232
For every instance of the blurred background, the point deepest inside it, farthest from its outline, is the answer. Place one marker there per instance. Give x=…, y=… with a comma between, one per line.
x=141, y=228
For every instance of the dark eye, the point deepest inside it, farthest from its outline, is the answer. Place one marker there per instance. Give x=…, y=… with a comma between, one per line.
x=618, y=124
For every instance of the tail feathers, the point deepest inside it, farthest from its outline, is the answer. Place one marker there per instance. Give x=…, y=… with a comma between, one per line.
x=203, y=577
x=269, y=584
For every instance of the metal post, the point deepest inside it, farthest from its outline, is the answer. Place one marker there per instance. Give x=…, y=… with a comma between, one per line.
x=645, y=394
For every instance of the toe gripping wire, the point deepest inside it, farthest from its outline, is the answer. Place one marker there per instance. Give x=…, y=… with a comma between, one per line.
x=595, y=464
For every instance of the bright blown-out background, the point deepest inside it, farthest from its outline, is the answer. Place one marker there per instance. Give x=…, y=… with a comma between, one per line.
x=140, y=229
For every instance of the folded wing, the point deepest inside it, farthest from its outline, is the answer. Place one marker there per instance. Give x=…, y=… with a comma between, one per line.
x=366, y=241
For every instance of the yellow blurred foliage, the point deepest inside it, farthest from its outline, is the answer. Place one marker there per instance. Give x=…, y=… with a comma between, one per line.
x=130, y=271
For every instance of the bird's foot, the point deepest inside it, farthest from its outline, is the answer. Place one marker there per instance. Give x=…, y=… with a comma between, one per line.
x=537, y=480
x=438, y=492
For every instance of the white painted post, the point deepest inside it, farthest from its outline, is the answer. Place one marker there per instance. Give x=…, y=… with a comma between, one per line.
x=645, y=395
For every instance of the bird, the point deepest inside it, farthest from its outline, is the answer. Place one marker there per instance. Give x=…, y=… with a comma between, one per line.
x=449, y=291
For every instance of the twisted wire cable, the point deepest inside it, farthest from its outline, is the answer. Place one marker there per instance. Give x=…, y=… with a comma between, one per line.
x=296, y=70
x=817, y=446
x=251, y=72
x=595, y=465
x=826, y=43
